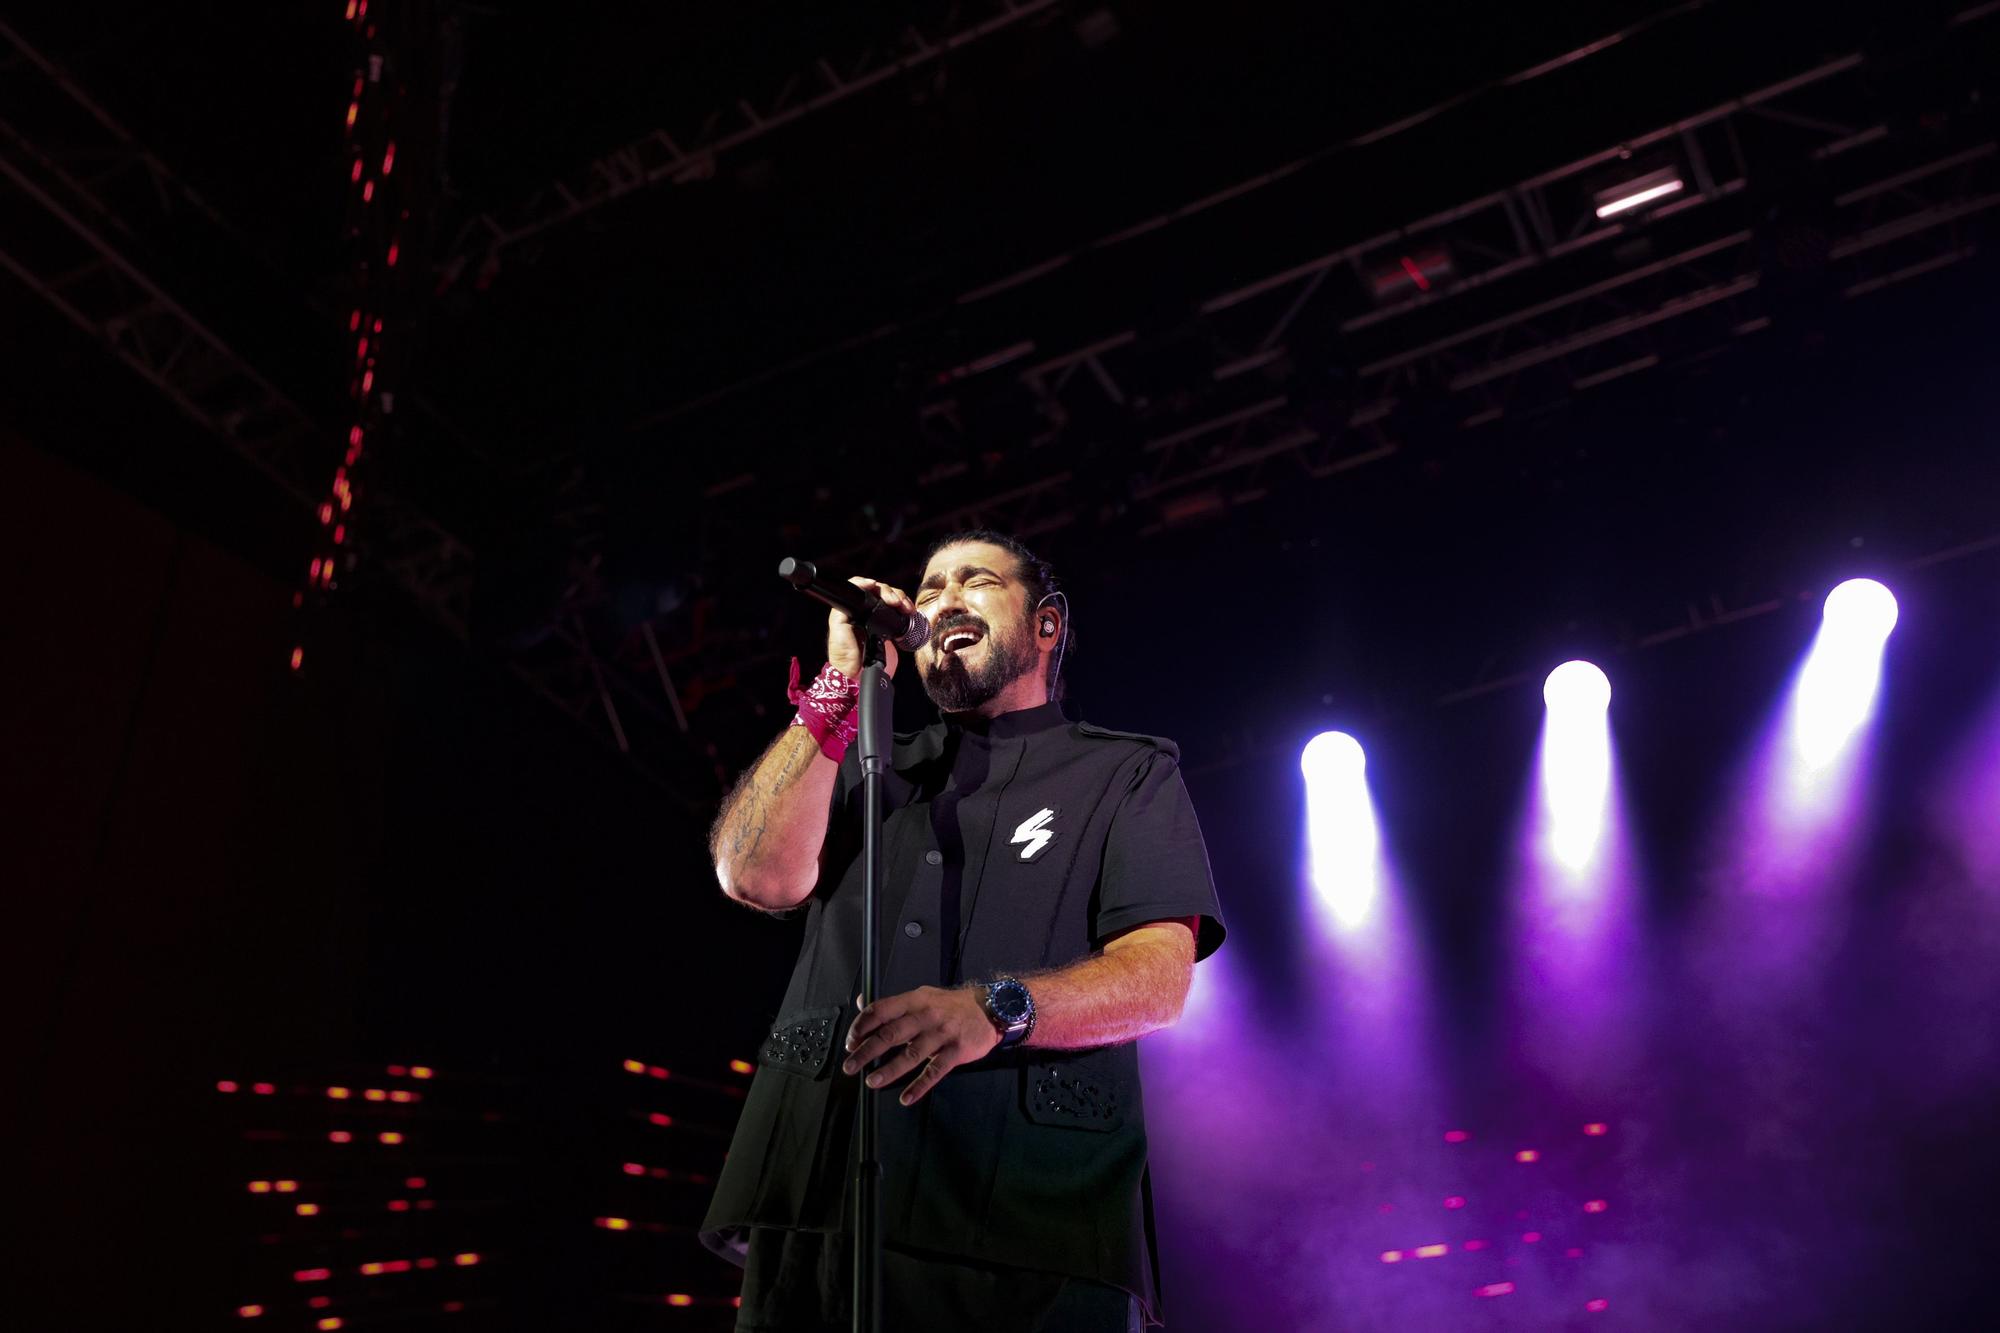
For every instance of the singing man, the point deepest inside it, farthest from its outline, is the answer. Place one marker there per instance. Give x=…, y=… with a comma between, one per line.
x=1045, y=898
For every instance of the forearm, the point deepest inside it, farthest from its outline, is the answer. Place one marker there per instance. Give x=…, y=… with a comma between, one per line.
x=1136, y=986
x=767, y=840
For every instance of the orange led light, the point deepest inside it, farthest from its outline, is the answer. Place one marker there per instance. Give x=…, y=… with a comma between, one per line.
x=308, y=1210
x=260, y=1187
x=1595, y=1206
x=420, y=1071
x=614, y=1223
x=1431, y=1251
x=249, y=1311
x=465, y=1260
x=678, y=1299
x=375, y=1094
x=1392, y=1256
x=1494, y=1289
x=285, y=1186
x=741, y=1066
x=391, y=1137
x=338, y=1094
x=635, y=1066
x=1596, y=1128
x=371, y=1270
x=1527, y=1155
x=400, y=1095
x=330, y=1322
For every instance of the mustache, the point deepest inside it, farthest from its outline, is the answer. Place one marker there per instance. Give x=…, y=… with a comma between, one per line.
x=941, y=628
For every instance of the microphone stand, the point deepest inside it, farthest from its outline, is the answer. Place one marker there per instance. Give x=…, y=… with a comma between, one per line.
x=875, y=740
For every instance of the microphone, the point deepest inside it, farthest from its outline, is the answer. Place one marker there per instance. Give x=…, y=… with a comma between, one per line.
x=908, y=632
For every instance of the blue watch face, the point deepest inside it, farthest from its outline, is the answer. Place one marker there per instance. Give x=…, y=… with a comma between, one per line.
x=1010, y=1001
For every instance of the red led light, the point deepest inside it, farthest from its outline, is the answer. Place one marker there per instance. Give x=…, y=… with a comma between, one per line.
x=249, y=1311
x=399, y=1205
x=325, y=514
x=1416, y=274
x=319, y=1302
x=453, y=1307
x=1495, y=1289
x=654, y=1071
x=741, y=1067
x=634, y=1169
x=389, y=158
x=1475, y=1245
x=1456, y=1136
x=368, y=192
x=425, y=1205
x=1531, y=1237
x=1572, y=1254
x=263, y=1089
x=367, y=380
x=1595, y=1206
x=353, y=323
x=427, y=1263
x=392, y=254
x=312, y=1275
x=1392, y=1256
x=1599, y=1304
x=465, y=1260
x=340, y=534
x=414, y=1183
x=355, y=174
x=229, y=1085
x=1455, y=1201
x=395, y=1071
x=1527, y=1155
x=1596, y=1129
x=678, y=1299
x=1431, y=1251
x=339, y=1136
x=660, y=1118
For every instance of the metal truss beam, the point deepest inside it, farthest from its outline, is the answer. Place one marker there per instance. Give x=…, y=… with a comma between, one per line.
x=661, y=158
x=74, y=222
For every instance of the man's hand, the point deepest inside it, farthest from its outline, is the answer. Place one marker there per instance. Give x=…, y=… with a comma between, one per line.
x=844, y=641
x=937, y=1029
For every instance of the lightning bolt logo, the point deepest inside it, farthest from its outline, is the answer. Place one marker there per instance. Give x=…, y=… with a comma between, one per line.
x=1034, y=833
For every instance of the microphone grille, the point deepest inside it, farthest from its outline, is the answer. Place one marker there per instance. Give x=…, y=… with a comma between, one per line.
x=916, y=634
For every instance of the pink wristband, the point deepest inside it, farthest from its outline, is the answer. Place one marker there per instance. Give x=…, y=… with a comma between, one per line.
x=827, y=709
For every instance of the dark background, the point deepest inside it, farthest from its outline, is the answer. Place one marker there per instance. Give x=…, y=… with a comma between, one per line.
x=431, y=846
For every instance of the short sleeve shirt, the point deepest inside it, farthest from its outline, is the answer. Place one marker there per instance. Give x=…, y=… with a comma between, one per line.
x=1009, y=847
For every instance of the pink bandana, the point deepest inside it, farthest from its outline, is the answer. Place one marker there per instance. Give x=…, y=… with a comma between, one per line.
x=828, y=709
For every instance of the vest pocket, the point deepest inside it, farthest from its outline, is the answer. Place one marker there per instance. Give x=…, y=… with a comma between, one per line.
x=1076, y=1093
x=802, y=1042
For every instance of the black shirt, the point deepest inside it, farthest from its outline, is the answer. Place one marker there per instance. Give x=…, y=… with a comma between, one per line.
x=1011, y=846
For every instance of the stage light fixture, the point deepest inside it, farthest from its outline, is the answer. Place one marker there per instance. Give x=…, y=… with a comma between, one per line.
x=1638, y=192
x=1575, y=765
x=1837, y=685
x=1340, y=826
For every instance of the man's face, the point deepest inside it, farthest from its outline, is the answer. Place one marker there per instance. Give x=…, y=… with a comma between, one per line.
x=982, y=636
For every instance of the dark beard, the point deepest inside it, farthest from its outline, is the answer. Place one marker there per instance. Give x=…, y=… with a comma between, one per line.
x=957, y=688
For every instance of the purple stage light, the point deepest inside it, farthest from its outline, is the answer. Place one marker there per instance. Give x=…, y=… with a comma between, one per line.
x=1341, y=826
x=1836, y=688
x=1576, y=766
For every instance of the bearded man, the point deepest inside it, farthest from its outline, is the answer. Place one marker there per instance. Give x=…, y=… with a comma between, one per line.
x=1045, y=898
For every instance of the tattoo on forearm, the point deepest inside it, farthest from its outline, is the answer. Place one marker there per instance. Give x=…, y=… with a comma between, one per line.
x=746, y=815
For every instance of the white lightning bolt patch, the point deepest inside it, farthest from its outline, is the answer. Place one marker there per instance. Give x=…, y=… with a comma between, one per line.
x=1033, y=832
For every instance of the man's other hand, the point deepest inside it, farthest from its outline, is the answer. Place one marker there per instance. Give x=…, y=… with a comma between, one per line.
x=928, y=1029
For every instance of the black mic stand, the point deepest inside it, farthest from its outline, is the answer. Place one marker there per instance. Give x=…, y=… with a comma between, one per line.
x=877, y=707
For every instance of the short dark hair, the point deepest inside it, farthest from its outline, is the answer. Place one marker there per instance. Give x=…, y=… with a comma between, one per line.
x=1038, y=576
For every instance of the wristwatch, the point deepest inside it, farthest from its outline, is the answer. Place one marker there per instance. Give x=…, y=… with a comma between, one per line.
x=1012, y=1010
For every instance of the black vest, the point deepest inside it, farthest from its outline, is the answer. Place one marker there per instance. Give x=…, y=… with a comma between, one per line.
x=1010, y=847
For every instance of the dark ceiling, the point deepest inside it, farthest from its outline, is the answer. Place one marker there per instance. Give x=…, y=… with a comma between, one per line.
x=839, y=334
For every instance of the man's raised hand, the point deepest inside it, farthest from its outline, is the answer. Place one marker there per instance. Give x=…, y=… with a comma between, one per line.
x=844, y=641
